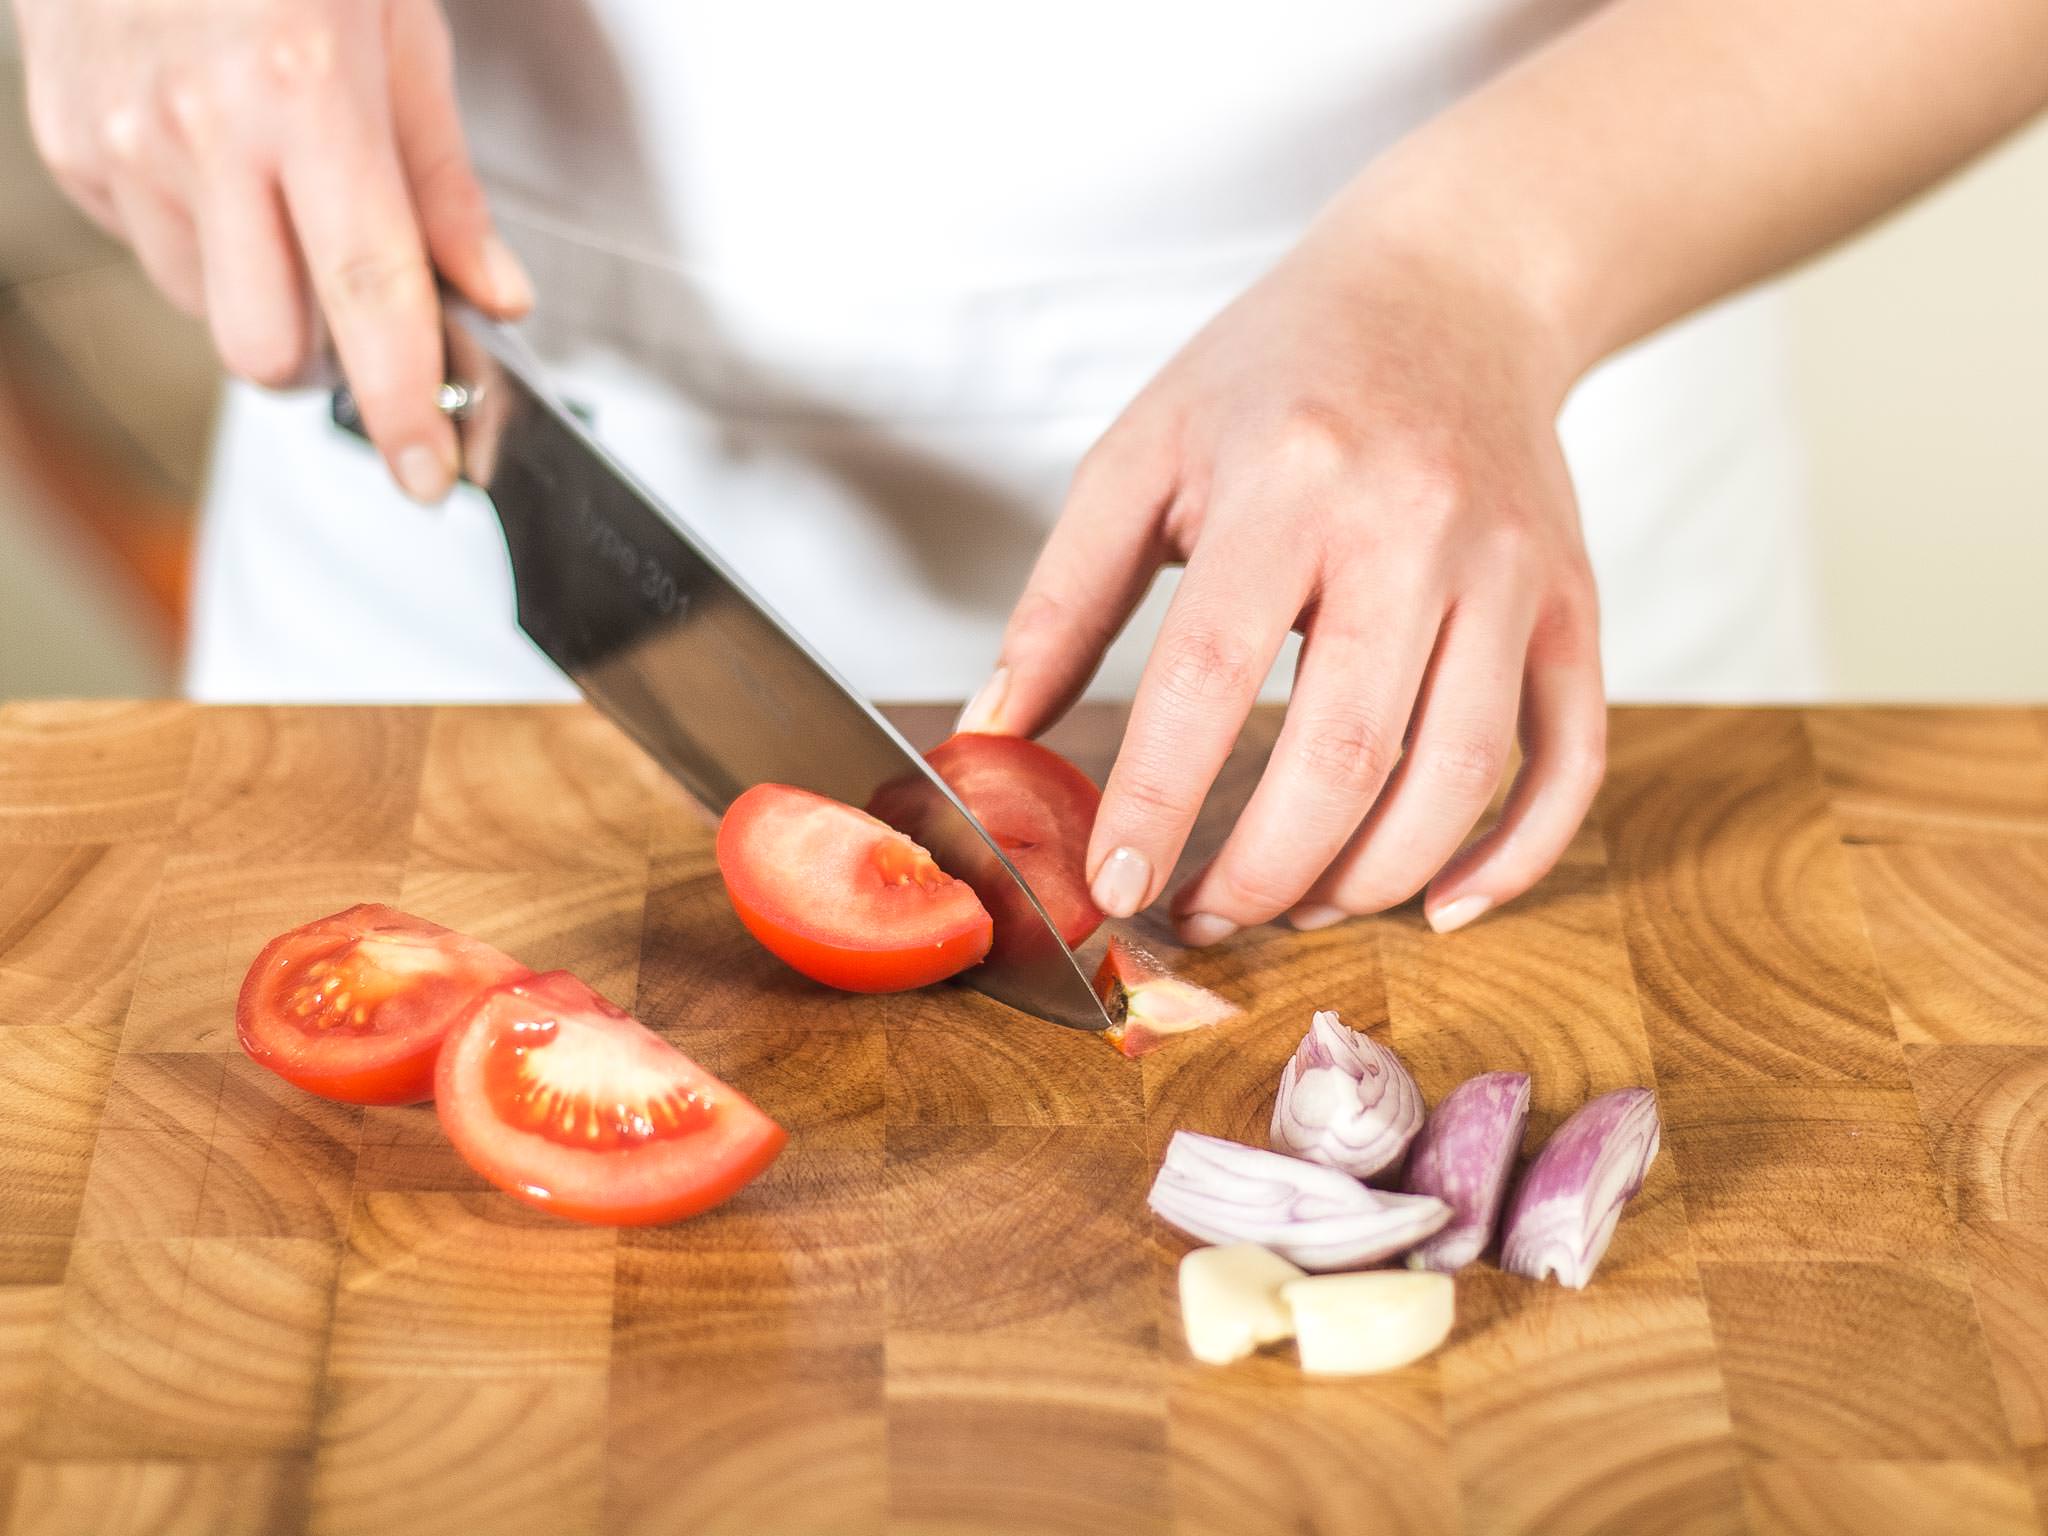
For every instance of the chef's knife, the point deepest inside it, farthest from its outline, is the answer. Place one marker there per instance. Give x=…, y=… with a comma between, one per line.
x=662, y=637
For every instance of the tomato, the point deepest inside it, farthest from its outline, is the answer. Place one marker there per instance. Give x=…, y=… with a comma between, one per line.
x=353, y=1006
x=843, y=898
x=1148, y=1004
x=1037, y=806
x=572, y=1105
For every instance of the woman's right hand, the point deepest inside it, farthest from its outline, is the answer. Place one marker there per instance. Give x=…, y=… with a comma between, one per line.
x=277, y=162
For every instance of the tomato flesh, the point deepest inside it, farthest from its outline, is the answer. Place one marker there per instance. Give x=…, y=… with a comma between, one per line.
x=354, y=1006
x=843, y=898
x=1037, y=806
x=572, y=1105
x=1147, y=1004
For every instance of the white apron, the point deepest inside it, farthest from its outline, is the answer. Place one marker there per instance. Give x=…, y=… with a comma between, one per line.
x=853, y=287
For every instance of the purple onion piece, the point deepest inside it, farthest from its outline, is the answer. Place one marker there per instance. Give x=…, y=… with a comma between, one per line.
x=1345, y=1101
x=1463, y=1157
x=1316, y=1217
x=1569, y=1201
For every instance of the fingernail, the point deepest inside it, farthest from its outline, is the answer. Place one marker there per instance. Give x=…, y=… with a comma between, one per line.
x=1121, y=883
x=1201, y=929
x=424, y=474
x=508, y=278
x=1308, y=919
x=985, y=708
x=1456, y=914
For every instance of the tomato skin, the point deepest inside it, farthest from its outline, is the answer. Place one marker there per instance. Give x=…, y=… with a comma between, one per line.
x=843, y=898
x=1039, y=808
x=648, y=1175
x=410, y=980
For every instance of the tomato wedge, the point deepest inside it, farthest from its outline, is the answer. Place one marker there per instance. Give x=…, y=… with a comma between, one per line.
x=572, y=1105
x=1038, y=807
x=1148, y=1004
x=353, y=1007
x=843, y=898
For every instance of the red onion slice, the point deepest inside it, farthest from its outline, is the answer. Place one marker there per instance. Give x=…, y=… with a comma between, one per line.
x=1316, y=1217
x=1345, y=1101
x=1569, y=1201
x=1464, y=1156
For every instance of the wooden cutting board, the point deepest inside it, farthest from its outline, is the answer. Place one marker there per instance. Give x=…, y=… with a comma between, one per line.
x=225, y=1307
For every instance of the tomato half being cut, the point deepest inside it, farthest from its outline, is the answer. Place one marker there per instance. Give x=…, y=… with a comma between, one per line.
x=1038, y=807
x=572, y=1105
x=843, y=898
x=353, y=1006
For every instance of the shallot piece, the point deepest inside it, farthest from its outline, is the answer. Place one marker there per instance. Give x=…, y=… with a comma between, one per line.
x=1569, y=1201
x=1345, y=1101
x=1224, y=1192
x=1464, y=1156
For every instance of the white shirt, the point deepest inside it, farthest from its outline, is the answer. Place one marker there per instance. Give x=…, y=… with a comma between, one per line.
x=852, y=289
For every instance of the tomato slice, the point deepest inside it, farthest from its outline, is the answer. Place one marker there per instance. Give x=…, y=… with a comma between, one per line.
x=843, y=898
x=1147, y=1004
x=353, y=1006
x=574, y=1106
x=1038, y=807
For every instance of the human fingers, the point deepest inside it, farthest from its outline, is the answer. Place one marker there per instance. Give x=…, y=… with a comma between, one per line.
x=1100, y=557
x=454, y=216
x=345, y=190
x=1461, y=737
x=1564, y=746
x=1361, y=666
x=1239, y=597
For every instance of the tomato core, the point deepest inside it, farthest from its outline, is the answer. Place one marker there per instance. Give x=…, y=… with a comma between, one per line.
x=516, y=1082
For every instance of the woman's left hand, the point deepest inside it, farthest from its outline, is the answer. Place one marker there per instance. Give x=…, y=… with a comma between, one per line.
x=1363, y=448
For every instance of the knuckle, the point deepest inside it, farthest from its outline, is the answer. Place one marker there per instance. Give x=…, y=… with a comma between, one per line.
x=448, y=191
x=1347, y=749
x=1206, y=664
x=271, y=361
x=301, y=47
x=1435, y=483
x=1584, y=767
x=1040, y=617
x=1468, y=766
x=1151, y=794
x=121, y=135
x=1315, y=441
x=380, y=280
x=1256, y=892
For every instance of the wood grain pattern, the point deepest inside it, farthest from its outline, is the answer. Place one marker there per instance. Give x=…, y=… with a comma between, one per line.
x=226, y=1307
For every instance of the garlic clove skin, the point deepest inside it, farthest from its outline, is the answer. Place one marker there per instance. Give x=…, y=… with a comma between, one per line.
x=1362, y=1324
x=1345, y=1101
x=1230, y=1301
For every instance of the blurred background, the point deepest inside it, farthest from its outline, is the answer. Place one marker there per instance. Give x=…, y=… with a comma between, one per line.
x=1922, y=364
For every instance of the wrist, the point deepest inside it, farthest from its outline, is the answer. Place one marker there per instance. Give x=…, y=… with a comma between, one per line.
x=1480, y=250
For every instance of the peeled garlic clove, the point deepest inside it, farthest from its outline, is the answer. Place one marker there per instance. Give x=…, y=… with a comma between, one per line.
x=1147, y=1004
x=1353, y=1325
x=1230, y=1301
x=1464, y=1156
x=1223, y=1192
x=1345, y=1101
x=1570, y=1200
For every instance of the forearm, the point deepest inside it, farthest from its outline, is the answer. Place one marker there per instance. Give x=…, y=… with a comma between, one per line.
x=1667, y=152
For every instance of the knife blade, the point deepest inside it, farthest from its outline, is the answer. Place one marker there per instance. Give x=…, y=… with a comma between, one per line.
x=665, y=639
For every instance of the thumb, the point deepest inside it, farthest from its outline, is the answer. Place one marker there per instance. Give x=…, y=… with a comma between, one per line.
x=1098, y=561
